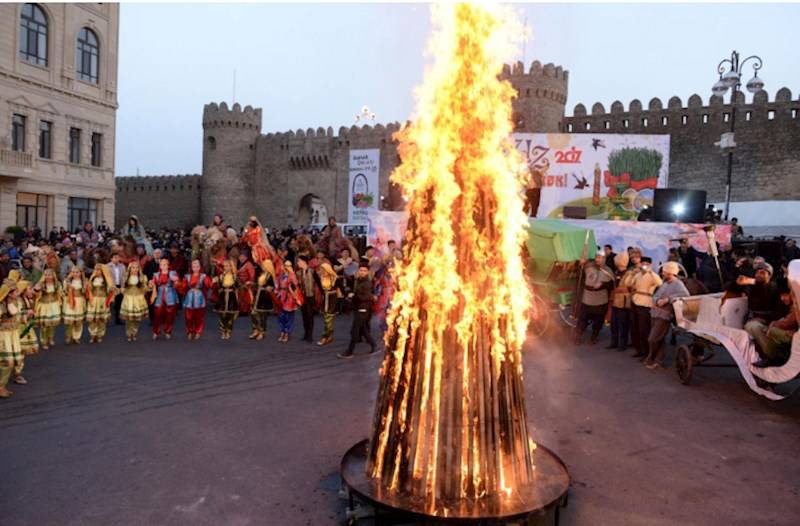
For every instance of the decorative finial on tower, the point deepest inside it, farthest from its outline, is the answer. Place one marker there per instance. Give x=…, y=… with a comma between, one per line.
x=366, y=116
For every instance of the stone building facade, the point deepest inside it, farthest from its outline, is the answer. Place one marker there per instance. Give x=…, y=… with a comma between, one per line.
x=279, y=176
x=58, y=105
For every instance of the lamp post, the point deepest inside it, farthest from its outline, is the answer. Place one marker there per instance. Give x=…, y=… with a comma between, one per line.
x=730, y=77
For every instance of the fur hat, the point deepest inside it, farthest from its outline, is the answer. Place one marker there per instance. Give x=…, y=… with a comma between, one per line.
x=671, y=267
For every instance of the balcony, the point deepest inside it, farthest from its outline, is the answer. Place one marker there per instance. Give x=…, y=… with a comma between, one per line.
x=15, y=164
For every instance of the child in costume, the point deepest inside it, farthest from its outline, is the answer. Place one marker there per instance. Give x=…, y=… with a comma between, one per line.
x=28, y=340
x=74, y=305
x=227, y=305
x=100, y=293
x=47, y=311
x=195, y=287
x=263, y=301
x=11, y=357
x=290, y=299
x=164, y=299
x=134, y=305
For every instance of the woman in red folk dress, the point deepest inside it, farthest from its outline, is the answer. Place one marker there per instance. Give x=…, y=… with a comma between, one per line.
x=164, y=299
x=246, y=274
x=194, y=289
x=256, y=239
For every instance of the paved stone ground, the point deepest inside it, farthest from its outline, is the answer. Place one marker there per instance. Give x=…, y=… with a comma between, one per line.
x=246, y=433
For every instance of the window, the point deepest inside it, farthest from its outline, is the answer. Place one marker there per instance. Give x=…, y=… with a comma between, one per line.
x=33, y=35
x=748, y=115
x=771, y=114
x=32, y=210
x=705, y=118
x=587, y=126
x=726, y=117
x=86, y=56
x=664, y=120
x=684, y=119
x=97, y=149
x=45, y=140
x=212, y=143
x=644, y=122
x=625, y=123
x=569, y=127
x=81, y=210
x=18, y=133
x=607, y=125
x=75, y=145
x=794, y=113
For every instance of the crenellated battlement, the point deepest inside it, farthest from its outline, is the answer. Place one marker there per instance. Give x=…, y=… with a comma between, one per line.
x=674, y=116
x=155, y=183
x=219, y=116
x=536, y=69
x=366, y=131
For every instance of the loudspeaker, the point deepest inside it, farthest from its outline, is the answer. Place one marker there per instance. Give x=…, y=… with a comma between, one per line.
x=678, y=204
x=574, y=212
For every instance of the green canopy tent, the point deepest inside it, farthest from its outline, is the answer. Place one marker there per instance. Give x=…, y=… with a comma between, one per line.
x=554, y=250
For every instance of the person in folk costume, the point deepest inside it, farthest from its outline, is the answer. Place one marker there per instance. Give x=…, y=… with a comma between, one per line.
x=291, y=298
x=100, y=291
x=194, y=288
x=47, y=311
x=384, y=288
x=137, y=231
x=28, y=339
x=11, y=357
x=227, y=304
x=74, y=306
x=134, y=305
x=308, y=282
x=264, y=300
x=164, y=298
x=331, y=293
x=256, y=238
x=246, y=275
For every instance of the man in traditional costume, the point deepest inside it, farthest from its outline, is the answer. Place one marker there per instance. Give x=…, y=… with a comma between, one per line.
x=134, y=305
x=308, y=281
x=195, y=287
x=11, y=357
x=74, y=306
x=597, y=281
x=246, y=276
x=645, y=283
x=100, y=292
x=164, y=299
x=621, y=303
x=363, y=298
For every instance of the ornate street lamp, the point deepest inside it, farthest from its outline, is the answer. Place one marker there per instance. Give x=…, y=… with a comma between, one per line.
x=730, y=77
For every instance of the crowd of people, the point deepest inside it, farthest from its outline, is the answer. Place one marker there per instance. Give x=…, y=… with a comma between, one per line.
x=625, y=291
x=95, y=277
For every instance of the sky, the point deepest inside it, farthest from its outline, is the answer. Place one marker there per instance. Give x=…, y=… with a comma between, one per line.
x=312, y=65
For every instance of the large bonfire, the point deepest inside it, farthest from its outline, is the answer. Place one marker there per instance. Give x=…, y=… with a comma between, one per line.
x=450, y=417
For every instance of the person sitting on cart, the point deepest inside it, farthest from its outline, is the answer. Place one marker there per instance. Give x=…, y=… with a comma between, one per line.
x=598, y=281
x=778, y=344
x=661, y=313
x=763, y=303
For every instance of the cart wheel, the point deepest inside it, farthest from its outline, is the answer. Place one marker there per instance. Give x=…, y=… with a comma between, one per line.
x=683, y=364
x=540, y=320
x=565, y=312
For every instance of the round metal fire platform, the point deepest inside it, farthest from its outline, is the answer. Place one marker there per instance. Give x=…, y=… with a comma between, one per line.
x=548, y=491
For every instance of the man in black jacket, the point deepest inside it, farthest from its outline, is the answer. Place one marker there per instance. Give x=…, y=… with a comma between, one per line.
x=362, y=298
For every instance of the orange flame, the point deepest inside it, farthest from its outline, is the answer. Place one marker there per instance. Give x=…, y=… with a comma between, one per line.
x=450, y=420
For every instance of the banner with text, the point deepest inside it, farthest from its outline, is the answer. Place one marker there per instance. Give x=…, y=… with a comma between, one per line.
x=363, y=189
x=604, y=176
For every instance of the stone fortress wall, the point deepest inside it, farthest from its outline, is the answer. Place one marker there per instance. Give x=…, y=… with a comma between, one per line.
x=275, y=175
x=161, y=200
x=766, y=163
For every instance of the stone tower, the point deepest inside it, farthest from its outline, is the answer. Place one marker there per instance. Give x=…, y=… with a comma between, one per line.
x=541, y=96
x=229, y=142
